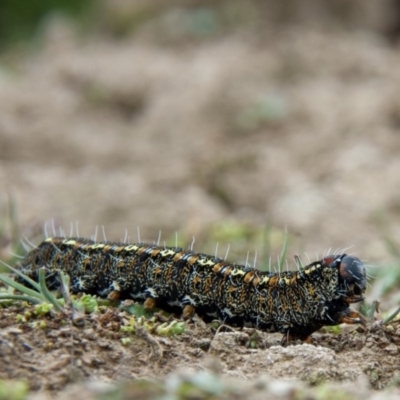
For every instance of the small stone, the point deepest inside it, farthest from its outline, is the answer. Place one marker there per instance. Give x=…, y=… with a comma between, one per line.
x=89, y=334
x=392, y=349
x=100, y=387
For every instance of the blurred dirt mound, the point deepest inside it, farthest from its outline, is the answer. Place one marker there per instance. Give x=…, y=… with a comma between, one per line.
x=298, y=124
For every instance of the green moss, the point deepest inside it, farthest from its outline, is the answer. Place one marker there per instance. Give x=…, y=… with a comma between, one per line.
x=170, y=329
x=335, y=330
x=86, y=303
x=138, y=310
x=42, y=309
x=151, y=325
x=126, y=341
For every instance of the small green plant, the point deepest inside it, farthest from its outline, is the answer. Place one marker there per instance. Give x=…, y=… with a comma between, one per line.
x=39, y=295
x=42, y=309
x=45, y=301
x=126, y=341
x=137, y=309
x=152, y=325
x=334, y=330
x=86, y=303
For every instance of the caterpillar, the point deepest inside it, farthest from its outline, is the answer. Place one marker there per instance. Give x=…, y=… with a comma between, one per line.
x=295, y=303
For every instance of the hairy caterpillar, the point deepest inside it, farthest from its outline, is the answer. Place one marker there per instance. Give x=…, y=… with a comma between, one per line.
x=296, y=303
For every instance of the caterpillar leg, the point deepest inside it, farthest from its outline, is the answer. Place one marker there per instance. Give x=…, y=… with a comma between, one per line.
x=288, y=338
x=351, y=317
x=149, y=303
x=188, y=311
x=114, y=295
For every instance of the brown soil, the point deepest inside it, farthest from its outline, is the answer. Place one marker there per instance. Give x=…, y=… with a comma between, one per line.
x=63, y=353
x=162, y=129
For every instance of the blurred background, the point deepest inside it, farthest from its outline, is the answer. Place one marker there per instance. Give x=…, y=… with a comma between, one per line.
x=226, y=120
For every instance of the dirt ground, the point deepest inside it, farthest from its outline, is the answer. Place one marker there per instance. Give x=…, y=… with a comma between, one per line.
x=65, y=355
x=171, y=129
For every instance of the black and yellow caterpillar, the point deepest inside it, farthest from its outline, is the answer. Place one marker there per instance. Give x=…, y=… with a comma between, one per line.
x=296, y=303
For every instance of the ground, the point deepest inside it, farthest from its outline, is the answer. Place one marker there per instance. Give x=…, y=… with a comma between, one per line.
x=187, y=124
x=62, y=354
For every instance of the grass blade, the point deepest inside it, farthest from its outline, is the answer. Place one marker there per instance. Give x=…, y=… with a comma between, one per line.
x=282, y=257
x=21, y=297
x=21, y=288
x=391, y=317
x=391, y=246
x=46, y=292
x=23, y=276
x=15, y=234
x=267, y=232
x=64, y=280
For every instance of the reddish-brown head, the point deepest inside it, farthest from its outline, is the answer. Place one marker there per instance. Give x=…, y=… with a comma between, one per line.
x=352, y=276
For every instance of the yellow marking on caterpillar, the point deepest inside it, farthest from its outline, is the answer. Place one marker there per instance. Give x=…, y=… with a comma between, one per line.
x=141, y=250
x=217, y=267
x=281, y=281
x=237, y=271
x=312, y=269
x=192, y=260
x=49, y=240
x=157, y=270
x=256, y=281
x=273, y=280
x=131, y=247
x=208, y=262
x=96, y=246
x=167, y=252
x=155, y=252
x=69, y=242
x=177, y=256
x=248, y=277
x=119, y=249
x=264, y=280
x=197, y=279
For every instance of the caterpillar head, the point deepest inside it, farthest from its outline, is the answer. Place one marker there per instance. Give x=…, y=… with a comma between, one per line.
x=352, y=276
